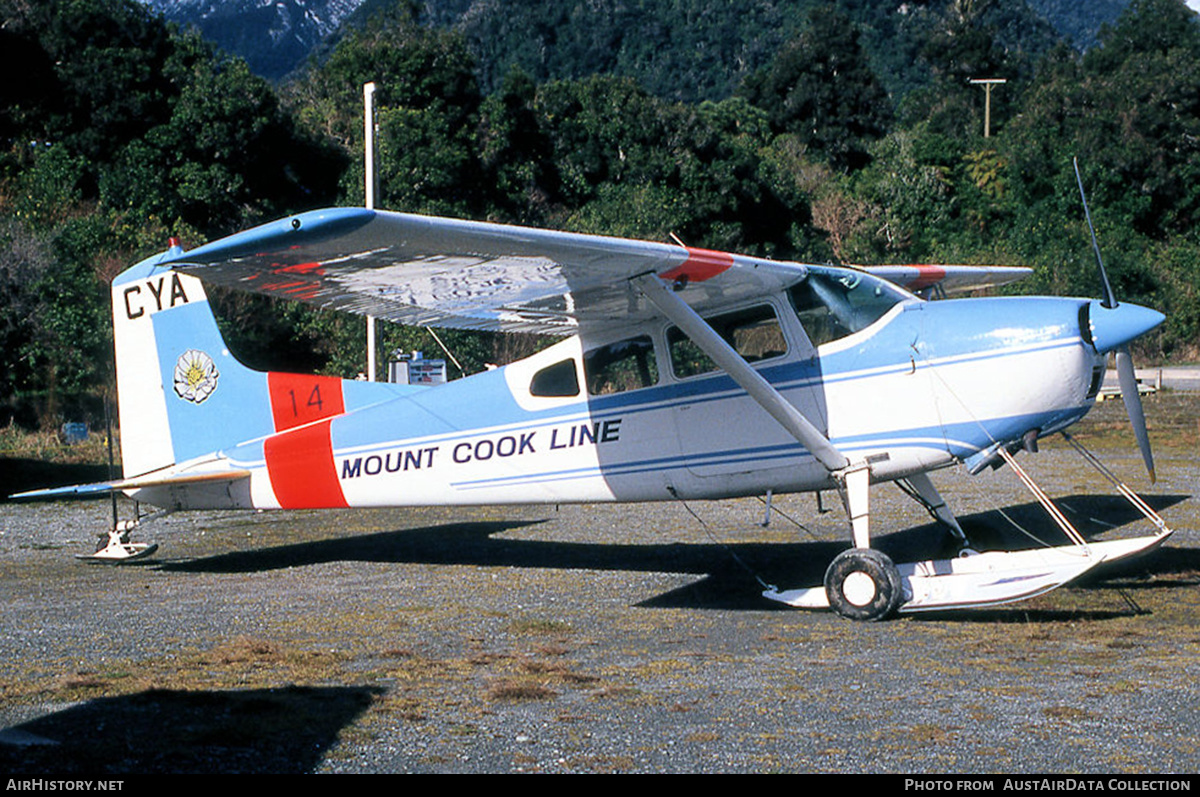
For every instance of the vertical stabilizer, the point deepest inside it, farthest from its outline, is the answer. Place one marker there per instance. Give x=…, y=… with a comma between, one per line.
x=180, y=391
x=182, y=394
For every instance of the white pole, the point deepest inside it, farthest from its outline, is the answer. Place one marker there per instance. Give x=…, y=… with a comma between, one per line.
x=369, y=180
x=369, y=138
x=370, y=348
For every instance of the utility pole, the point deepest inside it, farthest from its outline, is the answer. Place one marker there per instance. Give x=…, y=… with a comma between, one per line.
x=988, y=84
x=370, y=181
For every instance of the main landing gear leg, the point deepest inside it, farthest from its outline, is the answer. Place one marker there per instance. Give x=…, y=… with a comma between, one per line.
x=862, y=583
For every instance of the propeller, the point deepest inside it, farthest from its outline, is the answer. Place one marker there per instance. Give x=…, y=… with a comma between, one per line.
x=1112, y=332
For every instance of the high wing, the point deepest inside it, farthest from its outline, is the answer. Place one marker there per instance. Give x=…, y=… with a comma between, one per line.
x=421, y=270
x=949, y=278
x=431, y=271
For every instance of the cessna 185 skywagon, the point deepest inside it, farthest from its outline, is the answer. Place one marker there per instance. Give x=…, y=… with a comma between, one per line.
x=684, y=374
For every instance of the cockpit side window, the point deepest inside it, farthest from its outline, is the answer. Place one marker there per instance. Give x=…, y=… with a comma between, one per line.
x=617, y=367
x=558, y=380
x=832, y=306
x=753, y=333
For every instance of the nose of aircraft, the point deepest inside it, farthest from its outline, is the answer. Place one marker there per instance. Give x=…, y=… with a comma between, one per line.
x=1112, y=327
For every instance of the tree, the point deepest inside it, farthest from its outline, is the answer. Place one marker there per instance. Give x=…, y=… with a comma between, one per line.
x=24, y=260
x=976, y=39
x=142, y=132
x=160, y=123
x=821, y=89
x=226, y=156
x=628, y=163
x=428, y=104
x=512, y=146
x=1130, y=111
x=110, y=61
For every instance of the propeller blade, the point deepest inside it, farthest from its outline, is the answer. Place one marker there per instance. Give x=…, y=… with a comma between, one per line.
x=1110, y=298
x=1133, y=406
x=1129, y=388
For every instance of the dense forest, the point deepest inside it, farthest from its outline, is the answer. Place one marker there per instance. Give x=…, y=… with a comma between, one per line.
x=123, y=130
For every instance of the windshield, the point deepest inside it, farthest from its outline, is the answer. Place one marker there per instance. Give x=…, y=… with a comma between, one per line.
x=834, y=304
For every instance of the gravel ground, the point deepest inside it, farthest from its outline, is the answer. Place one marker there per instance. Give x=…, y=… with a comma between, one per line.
x=597, y=639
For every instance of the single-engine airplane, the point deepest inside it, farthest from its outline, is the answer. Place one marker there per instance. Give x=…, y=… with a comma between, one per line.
x=683, y=374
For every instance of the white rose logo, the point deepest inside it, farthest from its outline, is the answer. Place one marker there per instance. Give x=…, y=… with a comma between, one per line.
x=195, y=376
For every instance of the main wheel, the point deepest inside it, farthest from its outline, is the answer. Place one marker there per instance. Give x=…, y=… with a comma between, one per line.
x=863, y=584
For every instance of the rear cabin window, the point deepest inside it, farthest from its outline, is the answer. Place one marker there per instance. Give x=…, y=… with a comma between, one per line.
x=617, y=367
x=833, y=306
x=753, y=333
x=558, y=380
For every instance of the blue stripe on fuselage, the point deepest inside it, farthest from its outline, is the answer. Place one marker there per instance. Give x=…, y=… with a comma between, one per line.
x=974, y=330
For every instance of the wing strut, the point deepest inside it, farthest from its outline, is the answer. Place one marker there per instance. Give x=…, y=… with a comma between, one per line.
x=759, y=389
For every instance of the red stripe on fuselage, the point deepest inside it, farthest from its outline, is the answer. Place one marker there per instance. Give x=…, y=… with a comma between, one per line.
x=300, y=463
x=297, y=399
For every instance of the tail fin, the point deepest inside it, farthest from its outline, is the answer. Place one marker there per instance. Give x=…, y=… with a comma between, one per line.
x=182, y=394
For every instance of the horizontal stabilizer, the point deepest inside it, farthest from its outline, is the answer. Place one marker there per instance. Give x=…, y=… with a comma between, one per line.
x=104, y=489
x=68, y=493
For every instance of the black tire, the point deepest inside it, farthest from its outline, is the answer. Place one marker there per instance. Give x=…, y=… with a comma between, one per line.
x=876, y=597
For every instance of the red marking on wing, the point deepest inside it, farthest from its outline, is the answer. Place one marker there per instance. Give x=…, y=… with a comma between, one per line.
x=303, y=474
x=926, y=276
x=701, y=264
x=297, y=399
x=300, y=268
x=284, y=286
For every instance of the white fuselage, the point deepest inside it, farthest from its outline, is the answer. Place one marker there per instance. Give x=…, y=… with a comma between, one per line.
x=924, y=387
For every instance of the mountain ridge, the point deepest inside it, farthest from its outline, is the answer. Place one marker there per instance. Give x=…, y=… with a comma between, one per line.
x=556, y=40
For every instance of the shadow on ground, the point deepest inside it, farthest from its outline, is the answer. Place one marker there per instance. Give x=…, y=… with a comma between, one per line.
x=733, y=575
x=280, y=731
